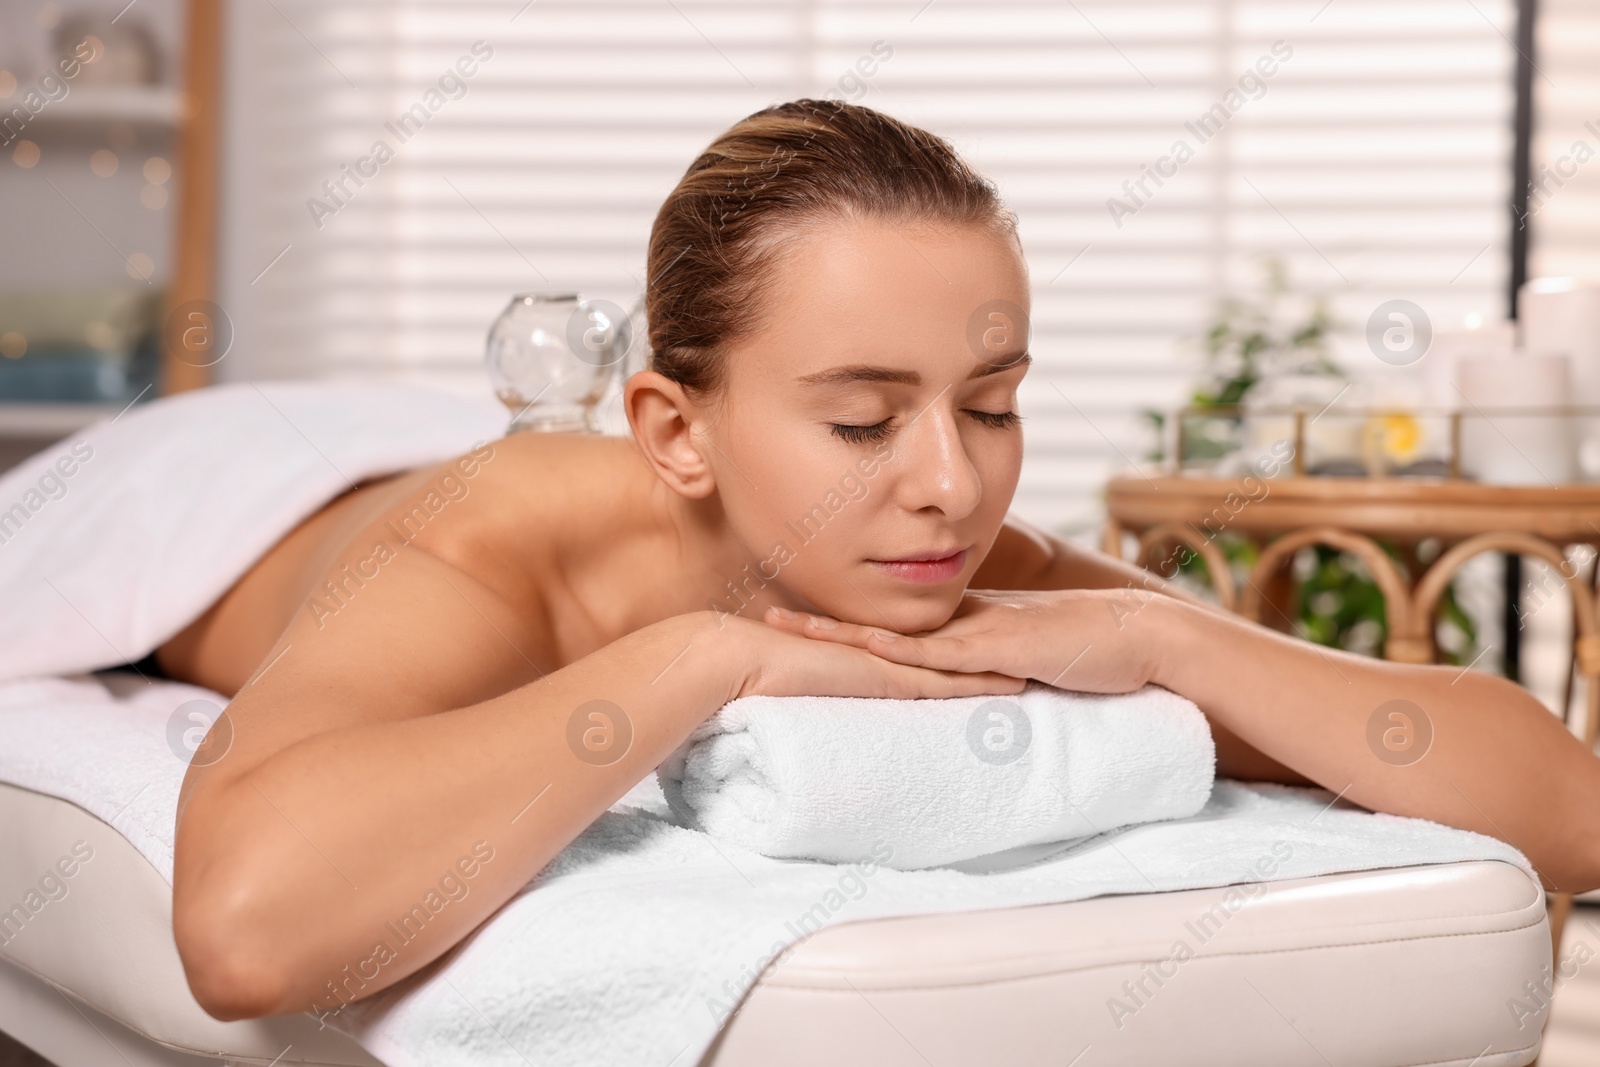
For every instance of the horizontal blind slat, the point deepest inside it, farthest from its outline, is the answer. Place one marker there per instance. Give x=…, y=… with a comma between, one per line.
x=1382, y=144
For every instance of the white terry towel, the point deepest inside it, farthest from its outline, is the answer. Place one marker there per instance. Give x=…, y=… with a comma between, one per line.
x=634, y=943
x=939, y=780
x=118, y=537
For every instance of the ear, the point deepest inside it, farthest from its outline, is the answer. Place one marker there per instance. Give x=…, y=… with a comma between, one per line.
x=663, y=418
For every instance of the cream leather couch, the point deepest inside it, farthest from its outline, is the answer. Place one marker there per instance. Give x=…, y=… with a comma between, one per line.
x=1397, y=967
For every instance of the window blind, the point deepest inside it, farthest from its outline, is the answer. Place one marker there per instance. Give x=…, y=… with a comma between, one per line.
x=1564, y=200
x=1372, y=160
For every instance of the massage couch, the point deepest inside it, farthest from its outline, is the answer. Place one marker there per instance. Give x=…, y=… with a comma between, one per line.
x=1412, y=962
x=1393, y=967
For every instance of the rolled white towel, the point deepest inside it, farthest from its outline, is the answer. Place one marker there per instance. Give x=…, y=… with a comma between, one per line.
x=938, y=781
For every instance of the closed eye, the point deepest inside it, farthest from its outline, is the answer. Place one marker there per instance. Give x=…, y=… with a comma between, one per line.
x=857, y=435
x=1000, y=420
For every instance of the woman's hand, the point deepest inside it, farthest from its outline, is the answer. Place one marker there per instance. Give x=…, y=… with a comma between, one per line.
x=781, y=664
x=1091, y=640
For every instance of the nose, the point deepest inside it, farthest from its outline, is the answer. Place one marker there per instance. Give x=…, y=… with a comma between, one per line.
x=932, y=467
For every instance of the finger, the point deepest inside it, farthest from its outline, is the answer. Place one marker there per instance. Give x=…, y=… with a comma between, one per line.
x=783, y=619
x=983, y=683
x=936, y=653
x=803, y=623
x=898, y=648
x=820, y=627
x=924, y=682
x=953, y=652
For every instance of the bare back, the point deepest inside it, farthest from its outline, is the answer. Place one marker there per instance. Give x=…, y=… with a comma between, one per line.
x=483, y=514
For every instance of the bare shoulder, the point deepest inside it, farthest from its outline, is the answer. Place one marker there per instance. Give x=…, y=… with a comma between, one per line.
x=1026, y=557
x=505, y=520
x=1019, y=558
x=516, y=507
x=425, y=596
x=492, y=519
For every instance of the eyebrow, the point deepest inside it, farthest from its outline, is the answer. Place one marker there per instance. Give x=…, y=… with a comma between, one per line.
x=866, y=372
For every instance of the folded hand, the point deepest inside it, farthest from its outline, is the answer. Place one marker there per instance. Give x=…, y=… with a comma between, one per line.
x=1091, y=640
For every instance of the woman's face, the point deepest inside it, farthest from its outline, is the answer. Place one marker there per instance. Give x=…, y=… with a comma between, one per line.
x=866, y=445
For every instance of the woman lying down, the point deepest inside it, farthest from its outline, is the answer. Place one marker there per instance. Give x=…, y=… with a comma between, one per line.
x=813, y=281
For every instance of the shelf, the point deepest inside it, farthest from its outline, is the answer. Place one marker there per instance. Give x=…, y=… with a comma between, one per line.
x=101, y=105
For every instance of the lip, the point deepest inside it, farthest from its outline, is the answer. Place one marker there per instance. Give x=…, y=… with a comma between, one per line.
x=926, y=568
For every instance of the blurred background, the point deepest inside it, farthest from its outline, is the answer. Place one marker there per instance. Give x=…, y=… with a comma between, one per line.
x=1217, y=197
x=1221, y=201
x=1378, y=160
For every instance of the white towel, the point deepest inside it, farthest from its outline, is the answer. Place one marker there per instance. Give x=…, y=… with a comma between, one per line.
x=114, y=539
x=635, y=942
x=833, y=778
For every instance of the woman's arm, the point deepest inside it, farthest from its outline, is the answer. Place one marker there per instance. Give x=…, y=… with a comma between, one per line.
x=381, y=759
x=403, y=768
x=1025, y=557
x=1498, y=762
x=1456, y=746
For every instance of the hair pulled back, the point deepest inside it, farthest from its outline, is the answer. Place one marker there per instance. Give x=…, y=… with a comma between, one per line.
x=719, y=233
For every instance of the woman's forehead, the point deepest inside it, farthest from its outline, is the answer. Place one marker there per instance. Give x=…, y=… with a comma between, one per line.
x=866, y=289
